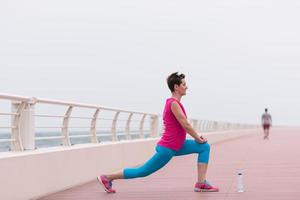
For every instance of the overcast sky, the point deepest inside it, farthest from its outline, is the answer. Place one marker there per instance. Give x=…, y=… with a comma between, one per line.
x=239, y=56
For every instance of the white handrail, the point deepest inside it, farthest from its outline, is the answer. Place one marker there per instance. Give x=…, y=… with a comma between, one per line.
x=74, y=104
x=6, y=113
x=55, y=116
x=49, y=138
x=14, y=97
x=25, y=106
x=6, y=140
x=79, y=136
x=7, y=127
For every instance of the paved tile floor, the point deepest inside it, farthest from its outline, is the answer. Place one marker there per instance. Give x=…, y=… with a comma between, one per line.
x=271, y=170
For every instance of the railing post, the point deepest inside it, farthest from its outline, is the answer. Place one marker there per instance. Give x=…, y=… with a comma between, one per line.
x=212, y=125
x=219, y=126
x=142, y=126
x=227, y=126
x=113, y=127
x=23, y=132
x=201, y=125
x=127, y=128
x=194, y=124
x=215, y=126
x=154, y=126
x=208, y=125
x=93, y=132
x=65, y=128
x=16, y=144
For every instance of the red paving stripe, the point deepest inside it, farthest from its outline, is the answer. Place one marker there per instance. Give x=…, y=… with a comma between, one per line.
x=271, y=170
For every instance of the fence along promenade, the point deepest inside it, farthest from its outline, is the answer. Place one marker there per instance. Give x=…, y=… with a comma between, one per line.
x=126, y=136
x=24, y=117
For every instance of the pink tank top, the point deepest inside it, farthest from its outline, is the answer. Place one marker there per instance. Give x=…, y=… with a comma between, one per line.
x=174, y=134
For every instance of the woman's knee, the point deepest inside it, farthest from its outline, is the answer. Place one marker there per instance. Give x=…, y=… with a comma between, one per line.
x=207, y=146
x=203, y=155
x=204, y=147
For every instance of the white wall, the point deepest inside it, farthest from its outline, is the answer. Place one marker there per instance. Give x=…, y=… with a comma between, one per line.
x=37, y=173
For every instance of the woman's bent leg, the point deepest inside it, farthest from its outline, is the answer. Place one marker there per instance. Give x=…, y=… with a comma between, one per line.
x=203, y=151
x=191, y=146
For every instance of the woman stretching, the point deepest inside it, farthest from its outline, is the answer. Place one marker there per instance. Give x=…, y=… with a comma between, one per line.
x=172, y=143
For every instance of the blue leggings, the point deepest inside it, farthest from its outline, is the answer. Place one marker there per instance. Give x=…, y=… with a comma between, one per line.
x=163, y=155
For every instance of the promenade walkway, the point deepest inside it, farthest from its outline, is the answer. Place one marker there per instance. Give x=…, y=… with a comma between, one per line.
x=271, y=171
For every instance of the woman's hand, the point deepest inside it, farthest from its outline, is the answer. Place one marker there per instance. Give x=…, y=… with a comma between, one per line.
x=201, y=140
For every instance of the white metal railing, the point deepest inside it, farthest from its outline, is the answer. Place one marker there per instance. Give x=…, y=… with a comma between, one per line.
x=23, y=119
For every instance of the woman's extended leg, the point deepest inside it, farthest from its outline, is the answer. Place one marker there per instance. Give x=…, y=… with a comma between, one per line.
x=162, y=156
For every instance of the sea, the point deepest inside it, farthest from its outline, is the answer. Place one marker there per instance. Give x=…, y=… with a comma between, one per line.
x=102, y=137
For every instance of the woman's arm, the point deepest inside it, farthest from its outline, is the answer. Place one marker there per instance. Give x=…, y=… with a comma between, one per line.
x=175, y=107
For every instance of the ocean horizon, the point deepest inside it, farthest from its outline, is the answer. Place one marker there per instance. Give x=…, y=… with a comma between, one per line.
x=102, y=137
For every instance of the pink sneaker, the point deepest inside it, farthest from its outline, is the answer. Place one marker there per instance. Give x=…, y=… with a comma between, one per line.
x=205, y=187
x=107, y=184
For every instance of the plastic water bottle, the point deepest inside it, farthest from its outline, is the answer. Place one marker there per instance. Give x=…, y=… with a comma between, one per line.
x=240, y=186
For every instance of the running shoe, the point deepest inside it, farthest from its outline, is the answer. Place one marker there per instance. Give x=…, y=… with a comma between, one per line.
x=107, y=184
x=205, y=187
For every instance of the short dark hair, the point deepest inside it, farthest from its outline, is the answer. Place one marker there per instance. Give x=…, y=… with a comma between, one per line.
x=266, y=109
x=174, y=79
